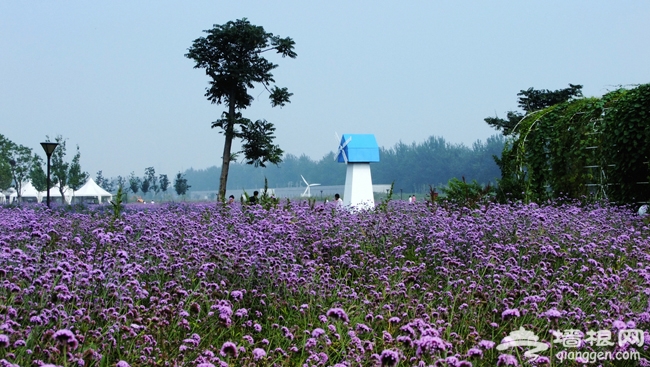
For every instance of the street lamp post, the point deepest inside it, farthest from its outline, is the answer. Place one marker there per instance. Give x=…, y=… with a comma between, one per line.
x=49, y=149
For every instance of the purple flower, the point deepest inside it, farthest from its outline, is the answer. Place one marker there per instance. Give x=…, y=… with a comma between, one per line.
x=317, y=332
x=389, y=358
x=66, y=337
x=429, y=344
x=552, y=314
x=237, y=295
x=510, y=312
x=258, y=353
x=619, y=325
x=486, y=344
x=507, y=360
x=122, y=364
x=338, y=313
x=228, y=349
x=4, y=341
x=475, y=352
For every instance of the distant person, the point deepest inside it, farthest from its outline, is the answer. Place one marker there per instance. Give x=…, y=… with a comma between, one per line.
x=337, y=200
x=253, y=199
x=231, y=199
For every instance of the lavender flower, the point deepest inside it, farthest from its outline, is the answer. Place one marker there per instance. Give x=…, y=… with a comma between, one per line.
x=229, y=349
x=4, y=341
x=258, y=353
x=338, y=313
x=508, y=313
x=389, y=358
x=507, y=360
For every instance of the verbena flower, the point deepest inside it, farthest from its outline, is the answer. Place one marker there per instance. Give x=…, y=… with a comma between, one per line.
x=229, y=349
x=338, y=313
x=258, y=353
x=389, y=358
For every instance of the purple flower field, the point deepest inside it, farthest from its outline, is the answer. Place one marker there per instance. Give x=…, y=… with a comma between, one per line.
x=412, y=285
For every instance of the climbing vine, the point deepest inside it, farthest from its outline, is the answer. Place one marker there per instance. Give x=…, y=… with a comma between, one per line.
x=589, y=147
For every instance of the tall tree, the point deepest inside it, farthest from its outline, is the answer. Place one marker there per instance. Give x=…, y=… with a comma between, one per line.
x=21, y=160
x=77, y=177
x=104, y=183
x=134, y=183
x=38, y=177
x=180, y=184
x=164, y=182
x=66, y=174
x=231, y=55
x=532, y=100
x=150, y=176
x=5, y=166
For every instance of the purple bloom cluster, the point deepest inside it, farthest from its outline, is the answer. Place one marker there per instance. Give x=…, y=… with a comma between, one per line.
x=206, y=285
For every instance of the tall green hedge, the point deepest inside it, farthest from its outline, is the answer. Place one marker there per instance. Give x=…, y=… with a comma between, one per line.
x=590, y=147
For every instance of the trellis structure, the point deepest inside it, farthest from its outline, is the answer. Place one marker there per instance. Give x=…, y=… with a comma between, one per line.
x=586, y=148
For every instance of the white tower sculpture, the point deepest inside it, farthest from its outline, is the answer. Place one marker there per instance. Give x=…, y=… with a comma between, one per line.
x=357, y=151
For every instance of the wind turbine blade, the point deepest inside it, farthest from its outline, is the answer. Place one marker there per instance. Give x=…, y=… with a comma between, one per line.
x=306, y=183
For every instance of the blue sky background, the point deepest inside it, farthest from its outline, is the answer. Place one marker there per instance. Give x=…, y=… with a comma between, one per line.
x=112, y=76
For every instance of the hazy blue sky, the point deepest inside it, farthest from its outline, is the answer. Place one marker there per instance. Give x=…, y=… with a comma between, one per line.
x=111, y=76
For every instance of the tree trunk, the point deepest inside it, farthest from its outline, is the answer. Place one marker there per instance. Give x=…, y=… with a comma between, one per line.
x=61, y=191
x=225, y=165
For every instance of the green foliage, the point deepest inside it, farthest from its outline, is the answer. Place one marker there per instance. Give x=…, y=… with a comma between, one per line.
x=164, y=182
x=5, y=168
x=16, y=163
x=268, y=201
x=77, y=177
x=66, y=174
x=134, y=183
x=117, y=203
x=38, y=177
x=151, y=179
x=470, y=195
x=532, y=100
x=105, y=183
x=411, y=167
x=586, y=148
x=180, y=184
x=231, y=55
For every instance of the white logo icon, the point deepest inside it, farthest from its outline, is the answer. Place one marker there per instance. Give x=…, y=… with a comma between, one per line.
x=523, y=338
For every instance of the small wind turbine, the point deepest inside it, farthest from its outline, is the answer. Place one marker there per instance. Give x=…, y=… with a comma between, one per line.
x=307, y=193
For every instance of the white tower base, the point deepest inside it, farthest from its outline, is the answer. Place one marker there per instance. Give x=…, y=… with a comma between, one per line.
x=358, y=186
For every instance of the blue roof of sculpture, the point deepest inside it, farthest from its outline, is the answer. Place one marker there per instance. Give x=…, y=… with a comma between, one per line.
x=361, y=148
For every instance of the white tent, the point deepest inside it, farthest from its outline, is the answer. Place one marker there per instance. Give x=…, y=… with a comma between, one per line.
x=54, y=193
x=12, y=194
x=28, y=191
x=91, y=190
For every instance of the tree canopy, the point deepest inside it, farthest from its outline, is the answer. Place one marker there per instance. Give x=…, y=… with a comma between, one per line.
x=231, y=55
x=66, y=174
x=532, y=100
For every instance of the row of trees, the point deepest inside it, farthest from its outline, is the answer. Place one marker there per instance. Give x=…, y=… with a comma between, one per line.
x=19, y=164
x=412, y=167
x=148, y=185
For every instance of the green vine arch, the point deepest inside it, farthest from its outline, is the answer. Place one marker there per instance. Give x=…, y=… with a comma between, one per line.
x=585, y=148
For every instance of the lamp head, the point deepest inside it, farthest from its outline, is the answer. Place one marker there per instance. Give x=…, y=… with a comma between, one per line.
x=49, y=148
